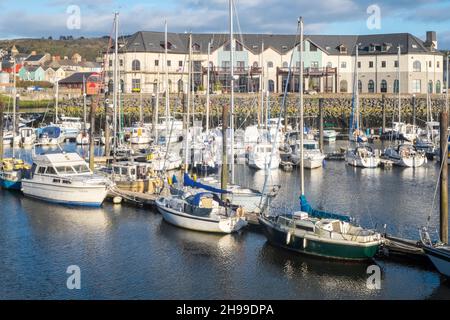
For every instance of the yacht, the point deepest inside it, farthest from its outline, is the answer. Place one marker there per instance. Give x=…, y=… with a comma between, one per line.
x=200, y=212
x=70, y=126
x=27, y=136
x=362, y=156
x=312, y=156
x=83, y=138
x=64, y=178
x=263, y=156
x=329, y=135
x=140, y=135
x=405, y=155
x=50, y=136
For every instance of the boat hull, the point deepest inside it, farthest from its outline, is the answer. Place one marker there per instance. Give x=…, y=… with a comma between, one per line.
x=90, y=196
x=10, y=185
x=201, y=224
x=316, y=248
x=439, y=259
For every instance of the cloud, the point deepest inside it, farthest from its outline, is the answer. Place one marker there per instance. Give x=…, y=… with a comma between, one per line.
x=268, y=16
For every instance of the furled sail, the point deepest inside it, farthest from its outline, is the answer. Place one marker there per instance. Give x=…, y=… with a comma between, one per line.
x=306, y=207
x=188, y=182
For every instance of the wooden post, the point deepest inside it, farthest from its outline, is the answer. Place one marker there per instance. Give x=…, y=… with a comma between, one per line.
x=91, y=134
x=225, y=122
x=444, y=176
x=1, y=130
x=321, y=124
x=383, y=105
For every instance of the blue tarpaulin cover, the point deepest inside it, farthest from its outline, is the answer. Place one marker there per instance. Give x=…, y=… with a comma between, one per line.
x=306, y=207
x=188, y=182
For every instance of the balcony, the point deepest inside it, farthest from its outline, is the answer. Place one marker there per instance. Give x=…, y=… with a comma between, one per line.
x=317, y=72
x=237, y=70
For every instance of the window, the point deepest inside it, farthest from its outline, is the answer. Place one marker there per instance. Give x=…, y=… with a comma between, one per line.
x=136, y=84
x=430, y=86
x=416, y=86
x=285, y=65
x=238, y=47
x=417, y=67
x=269, y=64
x=314, y=64
x=396, y=64
x=342, y=49
x=383, y=64
x=110, y=63
x=82, y=169
x=180, y=86
x=330, y=65
x=312, y=47
x=180, y=63
x=169, y=63
x=396, y=86
x=343, y=65
x=359, y=86
x=156, y=63
x=136, y=65
x=383, y=86
x=41, y=170
x=196, y=47
x=429, y=64
x=225, y=64
x=438, y=87
x=370, y=64
x=241, y=65
x=121, y=62
x=371, y=86
x=64, y=170
x=255, y=64
x=438, y=65
x=343, y=86
x=359, y=64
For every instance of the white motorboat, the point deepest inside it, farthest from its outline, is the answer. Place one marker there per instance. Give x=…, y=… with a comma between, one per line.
x=27, y=136
x=51, y=136
x=329, y=135
x=362, y=156
x=70, y=126
x=312, y=156
x=64, y=178
x=140, y=135
x=161, y=160
x=405, y=155
x=263, y=156
x=82, y=138
x=200, y=212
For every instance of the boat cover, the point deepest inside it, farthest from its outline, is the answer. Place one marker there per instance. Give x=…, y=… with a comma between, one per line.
x=196, y=199
x=306, y=207
x=188, y=182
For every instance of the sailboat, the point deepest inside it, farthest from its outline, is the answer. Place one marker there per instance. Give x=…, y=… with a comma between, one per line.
x=361, y=155
x=314, y=232
x=200, y=211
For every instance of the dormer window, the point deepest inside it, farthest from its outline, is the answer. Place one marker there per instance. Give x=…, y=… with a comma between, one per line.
x=372, y=48
x=385, y=47
x=284, y=48
x=196, y=47
x=169, y=45
x=342, y=49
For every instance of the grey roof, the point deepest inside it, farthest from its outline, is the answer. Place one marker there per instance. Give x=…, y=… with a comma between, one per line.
x=148, y=41
x=77, y=78
x=35, y=58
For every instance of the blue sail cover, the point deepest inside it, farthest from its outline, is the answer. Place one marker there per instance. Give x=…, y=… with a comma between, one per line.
x=306, y=207
x=195, y=199
x=188, y=182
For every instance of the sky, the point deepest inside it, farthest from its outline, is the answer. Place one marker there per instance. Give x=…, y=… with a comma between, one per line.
x=89, y=18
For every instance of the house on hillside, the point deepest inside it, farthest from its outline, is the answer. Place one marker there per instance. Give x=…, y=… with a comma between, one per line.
x=53, y=74
x=81, y=82
x=32, y=73
x=37, y=59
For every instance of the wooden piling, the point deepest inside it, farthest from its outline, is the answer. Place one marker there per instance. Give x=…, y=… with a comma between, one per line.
x=383, y=105
x=91, y=135
x=444, y=176
x=1, y=130
x=321, y=124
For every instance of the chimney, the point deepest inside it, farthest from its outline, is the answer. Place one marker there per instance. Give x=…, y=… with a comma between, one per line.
x=432, y=40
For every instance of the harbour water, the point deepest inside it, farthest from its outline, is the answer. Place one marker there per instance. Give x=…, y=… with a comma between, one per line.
x=131, y=253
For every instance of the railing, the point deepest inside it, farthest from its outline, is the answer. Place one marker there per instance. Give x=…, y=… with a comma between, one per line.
x=309, y=71
x=237, y=70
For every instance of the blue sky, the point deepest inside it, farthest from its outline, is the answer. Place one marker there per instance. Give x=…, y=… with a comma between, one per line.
x=30, y=18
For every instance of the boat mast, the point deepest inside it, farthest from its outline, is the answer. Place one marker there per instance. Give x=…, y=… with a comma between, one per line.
x=56, y=101
x=302, y=170
x=208, y=89
x=115, y=78
x=156, y=122
x=14, y=105
x=261, y=88
x=398, y=77
x=232, y=47
x=84, y=103
x=186, y=151
x=357, y=89
x=166, y=84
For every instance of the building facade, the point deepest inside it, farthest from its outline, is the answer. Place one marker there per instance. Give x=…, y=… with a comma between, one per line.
x=272, y=63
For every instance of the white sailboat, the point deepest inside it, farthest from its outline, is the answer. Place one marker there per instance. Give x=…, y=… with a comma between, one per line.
x=259, y=157
x=312, y=156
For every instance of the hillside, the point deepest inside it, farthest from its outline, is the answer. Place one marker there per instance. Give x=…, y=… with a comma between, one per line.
x=87, y=48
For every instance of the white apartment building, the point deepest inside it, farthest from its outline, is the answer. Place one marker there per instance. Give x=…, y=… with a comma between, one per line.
x=274, y=60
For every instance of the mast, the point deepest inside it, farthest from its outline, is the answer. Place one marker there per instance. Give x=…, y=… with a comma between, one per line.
x=84, y=103
x=14, y=100
x=447, y=85
x=357, y=88
x=302, y=170
x=186, y=151
x=166, y=84
x=115, y=78
x=208, y=89
x=156, y=122
x=232, y=47
x=398, y=77
x=261, y=87
x=56, y=101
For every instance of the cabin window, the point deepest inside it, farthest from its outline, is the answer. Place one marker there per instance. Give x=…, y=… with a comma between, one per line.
x=66, y=182
x=56, y=181
x=116, y=170
x=133, y=172
x=41, y=170
x=82, y=169
x=65, y=170
x=50, y=170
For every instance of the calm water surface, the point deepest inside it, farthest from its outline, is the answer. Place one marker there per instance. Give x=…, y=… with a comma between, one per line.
x=130, y=253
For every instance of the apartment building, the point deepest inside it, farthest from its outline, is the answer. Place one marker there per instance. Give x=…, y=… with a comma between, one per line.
x=272, y=63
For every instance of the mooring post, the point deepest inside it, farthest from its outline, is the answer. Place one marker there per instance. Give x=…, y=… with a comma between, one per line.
x=91, y=134
x=383, y=106
x=444, y=176
x=1, y=130
x=321, y=124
